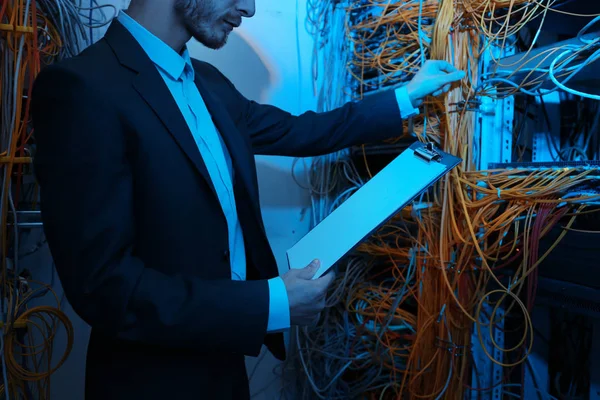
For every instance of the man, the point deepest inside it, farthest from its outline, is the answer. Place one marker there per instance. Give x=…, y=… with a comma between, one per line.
x=150, y=202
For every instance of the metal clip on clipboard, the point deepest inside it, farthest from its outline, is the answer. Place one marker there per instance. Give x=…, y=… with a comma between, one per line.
x=428, y=153
x=371, y=206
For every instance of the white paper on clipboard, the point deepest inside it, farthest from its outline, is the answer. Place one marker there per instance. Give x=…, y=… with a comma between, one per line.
x=393, y=188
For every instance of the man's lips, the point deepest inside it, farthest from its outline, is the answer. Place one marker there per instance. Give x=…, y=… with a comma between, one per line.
x=235, y=24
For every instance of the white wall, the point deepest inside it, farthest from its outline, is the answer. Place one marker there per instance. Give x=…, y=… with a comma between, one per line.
x=262, y=60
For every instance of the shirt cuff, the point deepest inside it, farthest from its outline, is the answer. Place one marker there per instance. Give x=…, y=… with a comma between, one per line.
x=279, y=306
x=404, y=104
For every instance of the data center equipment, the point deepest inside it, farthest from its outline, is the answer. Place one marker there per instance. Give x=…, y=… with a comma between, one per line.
x=468, y=292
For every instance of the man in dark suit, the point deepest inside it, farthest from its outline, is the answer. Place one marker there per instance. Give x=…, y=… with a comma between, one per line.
x=150, y=204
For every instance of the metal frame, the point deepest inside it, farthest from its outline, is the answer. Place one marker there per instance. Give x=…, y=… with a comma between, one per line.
x=543, y=149
x=494, y=128
x=488, y=374
x=494, y=131
x=536, y=371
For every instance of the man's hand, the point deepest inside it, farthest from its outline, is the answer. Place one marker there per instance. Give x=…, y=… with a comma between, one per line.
x=434, y=78
x=306, y=296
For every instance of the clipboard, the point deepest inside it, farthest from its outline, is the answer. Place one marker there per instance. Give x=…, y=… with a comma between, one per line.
x=371, y=206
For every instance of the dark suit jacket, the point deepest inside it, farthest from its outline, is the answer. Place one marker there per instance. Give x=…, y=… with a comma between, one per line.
x=136, y=231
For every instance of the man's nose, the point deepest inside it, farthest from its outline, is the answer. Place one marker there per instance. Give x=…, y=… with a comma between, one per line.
x=247, y=8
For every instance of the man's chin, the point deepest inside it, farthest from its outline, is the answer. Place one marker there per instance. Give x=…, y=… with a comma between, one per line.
x=214, y=43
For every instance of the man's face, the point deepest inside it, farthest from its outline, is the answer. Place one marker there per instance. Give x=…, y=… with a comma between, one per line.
x=211, y=21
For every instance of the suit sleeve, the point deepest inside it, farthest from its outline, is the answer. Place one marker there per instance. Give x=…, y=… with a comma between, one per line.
x=276, y=132
x=88, y=212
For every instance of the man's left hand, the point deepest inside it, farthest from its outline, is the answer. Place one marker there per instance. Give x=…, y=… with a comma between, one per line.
x=433, y=79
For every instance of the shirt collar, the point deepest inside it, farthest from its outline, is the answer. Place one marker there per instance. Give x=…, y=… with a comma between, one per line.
x=161, y=54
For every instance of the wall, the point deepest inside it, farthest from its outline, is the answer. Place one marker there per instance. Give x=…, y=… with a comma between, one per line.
x=262, y=60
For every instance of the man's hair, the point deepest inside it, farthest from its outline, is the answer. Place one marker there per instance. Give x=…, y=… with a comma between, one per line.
x=185, y=5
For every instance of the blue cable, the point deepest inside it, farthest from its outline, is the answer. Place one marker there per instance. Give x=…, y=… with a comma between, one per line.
x=552, y=70
x=583, y=31
x=561, y=85
x=421, y=32
x=299, y=56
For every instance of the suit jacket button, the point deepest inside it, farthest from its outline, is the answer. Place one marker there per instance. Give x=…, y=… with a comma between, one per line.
x=226, y=255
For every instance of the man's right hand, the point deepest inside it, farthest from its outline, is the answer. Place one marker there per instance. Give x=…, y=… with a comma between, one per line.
x=305, y=295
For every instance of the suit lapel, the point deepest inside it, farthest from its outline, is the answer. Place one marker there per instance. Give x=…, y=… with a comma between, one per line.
x=158, y=97
x=240, y=156
x=152, y=88
x=241, y=159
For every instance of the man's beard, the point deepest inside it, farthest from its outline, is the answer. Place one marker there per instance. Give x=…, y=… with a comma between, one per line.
x=212, y=40
x=198, y=24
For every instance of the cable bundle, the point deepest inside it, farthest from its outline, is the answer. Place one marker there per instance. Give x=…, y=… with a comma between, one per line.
x=27, y=331
x=32, y=34
x=407, y=305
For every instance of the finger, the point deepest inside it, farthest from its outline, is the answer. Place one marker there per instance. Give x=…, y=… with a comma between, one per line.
x=322, y=285
x=321, y=293
x=326, y=280
x=445, y=66
x=438, y=93
x=447, y=88
x=310, y=270
x=452, y=77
